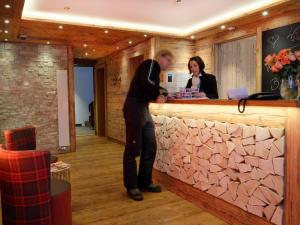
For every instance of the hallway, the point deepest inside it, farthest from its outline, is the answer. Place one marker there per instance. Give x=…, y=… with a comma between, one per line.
x=98, y=196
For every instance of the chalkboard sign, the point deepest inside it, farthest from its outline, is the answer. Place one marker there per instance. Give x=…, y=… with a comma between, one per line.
x=272, y=42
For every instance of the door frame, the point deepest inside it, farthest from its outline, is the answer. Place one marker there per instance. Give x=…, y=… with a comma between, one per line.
x=100, y=66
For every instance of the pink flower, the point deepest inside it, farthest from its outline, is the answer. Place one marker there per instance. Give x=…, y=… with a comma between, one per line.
x=278, y=65
x=292, y=57
x=285, y=60
x=297, y=54
x=274, y=69
x=268, y=59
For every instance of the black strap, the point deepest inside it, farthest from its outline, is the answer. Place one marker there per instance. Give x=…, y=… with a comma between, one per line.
x=243, y=103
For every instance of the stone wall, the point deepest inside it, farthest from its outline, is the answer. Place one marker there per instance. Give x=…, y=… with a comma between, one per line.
x=28, y=89
x=243, y=165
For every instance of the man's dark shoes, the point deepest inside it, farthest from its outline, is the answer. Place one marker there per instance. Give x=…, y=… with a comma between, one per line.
x=135, y=194
x=155, y=188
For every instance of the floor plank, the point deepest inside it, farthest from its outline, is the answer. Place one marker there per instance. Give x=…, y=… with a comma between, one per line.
x=98, y=196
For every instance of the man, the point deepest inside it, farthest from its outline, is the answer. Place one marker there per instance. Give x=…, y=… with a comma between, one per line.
x=140, y=134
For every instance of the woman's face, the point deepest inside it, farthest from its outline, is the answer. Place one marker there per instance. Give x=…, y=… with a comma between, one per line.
x=194, y=68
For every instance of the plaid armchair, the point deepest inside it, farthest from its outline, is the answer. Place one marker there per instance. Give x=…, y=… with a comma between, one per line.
x=27, y=195
x=22, y=139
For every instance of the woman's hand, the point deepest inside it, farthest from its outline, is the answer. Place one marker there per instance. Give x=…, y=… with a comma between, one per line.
x=161, y=99
x=200, y=94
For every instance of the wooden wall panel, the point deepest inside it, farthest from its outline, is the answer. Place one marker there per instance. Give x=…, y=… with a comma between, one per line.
x=182, y=50
x=235, y=65
x=204, y=47
x=117, y=65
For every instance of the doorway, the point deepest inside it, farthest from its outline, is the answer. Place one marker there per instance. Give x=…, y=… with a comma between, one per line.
x=99, y=106
x=134, y=62
x=84, y=100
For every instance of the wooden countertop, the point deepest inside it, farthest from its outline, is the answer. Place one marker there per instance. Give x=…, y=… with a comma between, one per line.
x=267, y=103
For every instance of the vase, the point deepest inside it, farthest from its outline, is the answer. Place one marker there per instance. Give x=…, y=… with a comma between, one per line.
x=289, y=87
x=298, y=85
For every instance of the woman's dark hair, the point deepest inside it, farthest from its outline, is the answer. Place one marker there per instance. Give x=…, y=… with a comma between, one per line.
x=199, y=61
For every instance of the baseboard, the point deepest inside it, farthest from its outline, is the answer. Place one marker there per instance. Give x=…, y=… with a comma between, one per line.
x=116, y=140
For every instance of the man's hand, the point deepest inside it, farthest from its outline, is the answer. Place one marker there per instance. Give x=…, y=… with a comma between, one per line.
x=161, y=99
x=200, y=94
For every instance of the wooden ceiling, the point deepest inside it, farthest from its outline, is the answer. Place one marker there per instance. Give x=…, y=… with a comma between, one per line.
x=99, y=43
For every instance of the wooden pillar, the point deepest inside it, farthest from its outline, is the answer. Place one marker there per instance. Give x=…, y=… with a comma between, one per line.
x=71, y=100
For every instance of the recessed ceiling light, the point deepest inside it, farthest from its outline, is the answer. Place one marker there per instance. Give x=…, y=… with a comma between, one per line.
x=86, y=54
x=265, y=13
x=130, y=42
x=94, y=50
x=48, y=42
x=145, y=35
x=6, y=31
x=7, y=6
x=106, y=31
x=192, y=37
x=5, y=39
x=85, y=45
x=60, y=27
x=231, y=28
x=6, y=21
x=223, y=27
x=117, y=47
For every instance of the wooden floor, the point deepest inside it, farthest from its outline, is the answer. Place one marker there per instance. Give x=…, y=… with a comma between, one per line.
x=98, y=195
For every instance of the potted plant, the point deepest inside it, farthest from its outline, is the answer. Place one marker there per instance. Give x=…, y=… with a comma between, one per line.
x=286, y=65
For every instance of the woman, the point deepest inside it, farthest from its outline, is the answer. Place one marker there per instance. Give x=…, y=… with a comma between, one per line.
x=206, y=83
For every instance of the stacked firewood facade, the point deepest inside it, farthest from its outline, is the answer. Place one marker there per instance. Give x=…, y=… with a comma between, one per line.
x=243, y=165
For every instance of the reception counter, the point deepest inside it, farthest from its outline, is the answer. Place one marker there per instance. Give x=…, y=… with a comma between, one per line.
x=242, y=167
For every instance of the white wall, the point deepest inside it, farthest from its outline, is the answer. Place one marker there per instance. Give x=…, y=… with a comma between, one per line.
x=84, y=93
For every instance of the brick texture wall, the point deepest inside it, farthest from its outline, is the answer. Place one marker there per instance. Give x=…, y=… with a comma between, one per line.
x=28, y=89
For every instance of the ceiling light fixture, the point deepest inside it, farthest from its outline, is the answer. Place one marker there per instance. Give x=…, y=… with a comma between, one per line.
x=6, y=31
x=6, y=21
x=192, y=37
x=48, y=42
x=145, y=35
x=106, y=31
x=7, y=6
x=86, y=54
x=5, y=39
x=94, y=50
x=60, y=27
x=265, y=13
x=231, y=28
x=85, y=45
x=118, y=47
x=223, y=27
x=130, y=42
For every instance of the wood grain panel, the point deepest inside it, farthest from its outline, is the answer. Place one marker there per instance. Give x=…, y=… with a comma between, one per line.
x=292, y=167
x=235, y=65
x=71, y=99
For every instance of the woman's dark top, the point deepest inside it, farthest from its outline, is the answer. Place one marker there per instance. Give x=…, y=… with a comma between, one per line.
x=208, y=85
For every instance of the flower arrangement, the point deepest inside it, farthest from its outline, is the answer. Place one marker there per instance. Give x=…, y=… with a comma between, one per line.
x=285, y=63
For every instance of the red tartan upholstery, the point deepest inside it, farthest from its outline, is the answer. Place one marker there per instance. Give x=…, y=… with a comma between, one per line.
x=20, y=138
x=25, y=190
x=25, y=187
